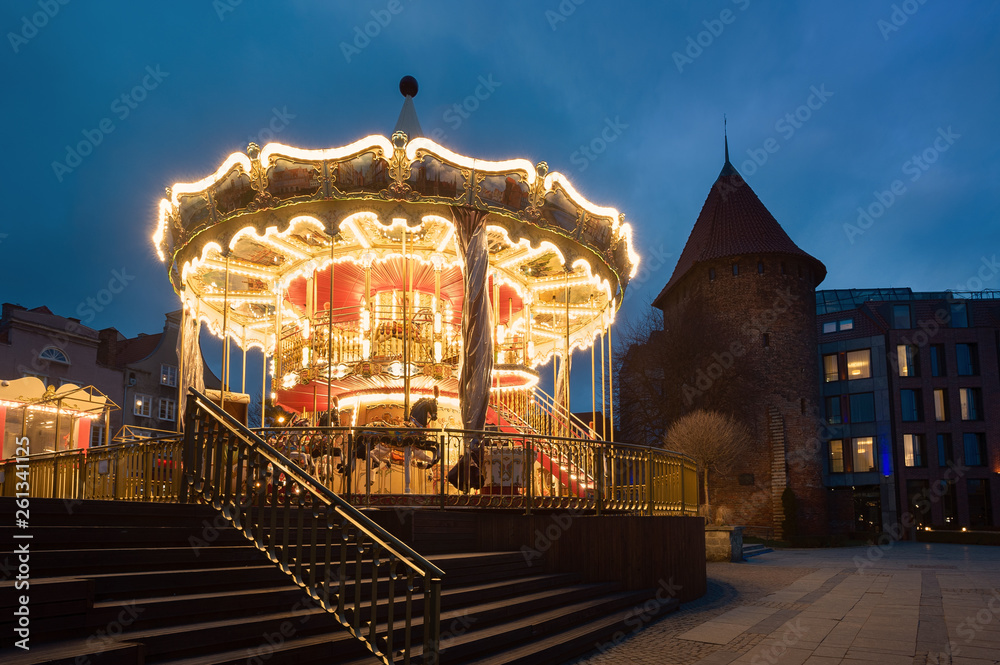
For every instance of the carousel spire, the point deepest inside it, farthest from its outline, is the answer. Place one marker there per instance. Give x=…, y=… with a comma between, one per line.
x=407, y=121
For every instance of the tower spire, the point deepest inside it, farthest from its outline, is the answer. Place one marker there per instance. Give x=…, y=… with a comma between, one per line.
x=725, y=134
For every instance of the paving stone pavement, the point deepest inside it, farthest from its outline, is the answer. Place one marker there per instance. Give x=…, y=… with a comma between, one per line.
x=902, y=603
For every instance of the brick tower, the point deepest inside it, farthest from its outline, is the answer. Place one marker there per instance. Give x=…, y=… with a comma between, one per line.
x=739, y=318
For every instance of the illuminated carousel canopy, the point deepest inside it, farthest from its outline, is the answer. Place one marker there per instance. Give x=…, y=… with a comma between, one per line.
x=316, y=256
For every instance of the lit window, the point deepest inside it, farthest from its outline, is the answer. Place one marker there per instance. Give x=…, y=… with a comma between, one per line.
x=971, y=403
x=975, y=448
x=859, y=364
x=901, y=316
x=830, y=369
x=864, y=454
x=836, y=456
x=913, y=450
x=966, y=359
x=168, y=409
x=940, y=405
x=52, y=354
x=959, y=315
x=829, y=327
x=910, y=405
x=846, y=324
x=143, y=406
x=168, y=375
x=907, y=358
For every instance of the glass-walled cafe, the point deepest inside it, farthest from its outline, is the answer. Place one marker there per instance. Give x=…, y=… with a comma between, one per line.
x=53, y=419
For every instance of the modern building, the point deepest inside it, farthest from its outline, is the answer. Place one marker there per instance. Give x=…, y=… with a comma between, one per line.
x=911, y=407
x=739, y=337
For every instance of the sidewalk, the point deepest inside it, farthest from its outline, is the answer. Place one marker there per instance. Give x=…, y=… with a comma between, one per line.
x=908, y=603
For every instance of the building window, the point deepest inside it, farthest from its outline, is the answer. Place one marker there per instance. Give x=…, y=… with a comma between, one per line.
x=937, y=360
x=949, y=505
x=946, y=455
x=971, y=400
x=168, y=409
x=711, y=274
x=783, y=269
x=168, y=375
x=760, y=267
x=143, y=406
x=53, y=354
x=959, y=315
x=862, y=408
x=979, y=502
x=974, y=447
x=863, y=454
x=846, y=324
x=859, y=364
x=44, y=378
x=913, y=450
x=833, y=410
x=967, y=359
x=940, y=405
x=901, y=317
x=765, y=339
x=910, y=405
x=836, y=456
x=829, y=327
x=831, y=371
x=908, y=359
x=96, y=433
x=918, y=493
x=736, y=268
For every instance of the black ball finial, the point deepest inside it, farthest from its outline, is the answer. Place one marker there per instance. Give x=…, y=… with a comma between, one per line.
x=408, y=86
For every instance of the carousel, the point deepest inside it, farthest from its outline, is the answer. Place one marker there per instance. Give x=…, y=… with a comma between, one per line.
x=392, y=269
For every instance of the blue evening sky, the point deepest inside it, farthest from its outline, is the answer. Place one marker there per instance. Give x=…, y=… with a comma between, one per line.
x=893, y=78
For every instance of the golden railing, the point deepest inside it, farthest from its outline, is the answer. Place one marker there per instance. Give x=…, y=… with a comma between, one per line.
x=147, y=470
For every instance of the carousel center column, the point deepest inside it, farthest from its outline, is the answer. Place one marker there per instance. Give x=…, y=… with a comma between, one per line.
x=477, y=326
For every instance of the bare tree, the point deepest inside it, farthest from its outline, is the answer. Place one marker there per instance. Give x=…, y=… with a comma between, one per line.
x=715, y=440
x=640, y=366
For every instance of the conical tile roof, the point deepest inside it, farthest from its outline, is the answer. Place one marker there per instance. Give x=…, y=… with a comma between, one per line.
x=733, y=222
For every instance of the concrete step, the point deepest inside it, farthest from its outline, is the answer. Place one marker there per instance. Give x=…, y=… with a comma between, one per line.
x=755, y=549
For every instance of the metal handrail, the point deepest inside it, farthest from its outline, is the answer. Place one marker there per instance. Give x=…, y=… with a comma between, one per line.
x=226, y=465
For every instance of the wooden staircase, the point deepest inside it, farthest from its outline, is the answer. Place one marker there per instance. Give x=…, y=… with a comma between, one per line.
x=119, y=582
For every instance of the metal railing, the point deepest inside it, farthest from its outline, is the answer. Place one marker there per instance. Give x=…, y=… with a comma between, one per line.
x=350, y=565
x=385, y=466
x=146, y=470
